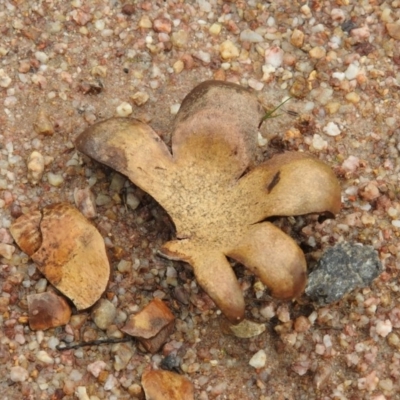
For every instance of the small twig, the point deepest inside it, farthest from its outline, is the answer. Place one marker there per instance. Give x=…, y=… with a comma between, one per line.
x=268, y=114
x=70, y=346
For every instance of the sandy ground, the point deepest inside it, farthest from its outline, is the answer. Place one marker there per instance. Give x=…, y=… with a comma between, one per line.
x=67, y=65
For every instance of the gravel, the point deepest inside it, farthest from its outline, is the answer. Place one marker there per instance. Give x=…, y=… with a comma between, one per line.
x=66, y=65
x=340, y=270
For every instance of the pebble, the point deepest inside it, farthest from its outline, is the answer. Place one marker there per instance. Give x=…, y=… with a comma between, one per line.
x=393, y=30
x=332, y=107
x=5, y=80
x=174, y=109
x=323, y=95
x=132, y=201
x=100, y=24
x=80, y=17
x=396, y=223
x=353, y=97
x=18, y=374
x=387, y=385
x=6, y=251
x=43, y=124
x=178, y=66
x=128, y=9
x=228, y=50
x=55, y=180
x=81, y=394
x=297, y=38
x=180, y=39
x=258, y=360
x=145, y=22
x=41, y=285
x=117, y=182
x=341, y=269
x=319, y=143
x=44, y=357
x=274, y=56
x=85, y=202
x=35, y=167
x=75, y=375
x=299, y=88
x=369, y=191
x=302, y=324
x=339, y=75
x=338, y=15
x=360, y=34
x=261, y=140
x=99, y=71
x=383, y=328
x=42, y=57
x=255, y=84
x=162, y=25
x=332, y=129
x=124, y=109
x=351, y=72
x=53, y=342
x=317, y=52
x=104, y=314
x=351, y=164
x=122, y=354
x=306, y=11
x=204, y=6
x=140, y=98
x=96, y=367
x=5, y=236
x=251, y=36
x=215, y=29
x=247, y=329
x=111, y=383
x=203, y=56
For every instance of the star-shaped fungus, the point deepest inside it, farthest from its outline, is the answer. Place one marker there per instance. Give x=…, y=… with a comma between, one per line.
x=217, y=200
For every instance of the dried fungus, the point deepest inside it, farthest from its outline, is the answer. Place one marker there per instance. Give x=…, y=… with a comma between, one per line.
x=67, y=249
x=217, y=199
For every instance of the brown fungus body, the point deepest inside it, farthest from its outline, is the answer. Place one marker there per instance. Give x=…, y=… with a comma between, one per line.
x=219, y=209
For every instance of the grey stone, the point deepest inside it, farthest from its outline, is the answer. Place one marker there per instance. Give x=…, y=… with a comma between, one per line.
x=104, y=314
x=342, y=269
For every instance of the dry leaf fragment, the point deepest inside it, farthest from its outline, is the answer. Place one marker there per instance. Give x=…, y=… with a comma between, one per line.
x=218, y=209
x=47, y=310
x=166, y=385
x=152, y=326
x=68, y=251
